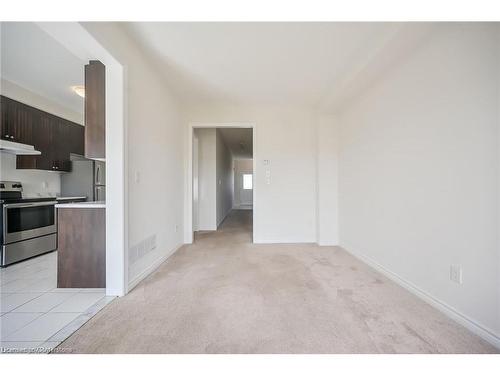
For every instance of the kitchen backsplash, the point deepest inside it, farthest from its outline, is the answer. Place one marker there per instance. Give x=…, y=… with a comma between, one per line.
x=35, y=182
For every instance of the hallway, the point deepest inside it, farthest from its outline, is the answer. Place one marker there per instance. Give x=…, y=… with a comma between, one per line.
x=224, y=294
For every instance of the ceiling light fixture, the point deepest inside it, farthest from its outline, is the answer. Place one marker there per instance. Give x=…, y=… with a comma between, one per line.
x=79, y=90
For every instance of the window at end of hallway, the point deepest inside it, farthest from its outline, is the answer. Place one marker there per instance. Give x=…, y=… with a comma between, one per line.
x=247, y=182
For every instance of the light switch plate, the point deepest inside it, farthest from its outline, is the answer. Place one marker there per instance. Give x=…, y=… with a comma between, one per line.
x=456, y=273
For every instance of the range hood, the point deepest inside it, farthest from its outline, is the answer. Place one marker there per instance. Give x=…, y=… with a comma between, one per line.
x=17, y=148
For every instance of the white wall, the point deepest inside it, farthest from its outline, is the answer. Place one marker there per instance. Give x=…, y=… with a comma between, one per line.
x=241, y=166
x=327, y=181
x=207, y=179
x=224, y=179
x=155, y=166
x=419, y=171
x=285, y=209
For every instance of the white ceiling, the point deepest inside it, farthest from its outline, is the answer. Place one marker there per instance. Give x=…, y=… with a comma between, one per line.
x=35, y=61
x=239, y=141
x=293, y=64
x=259, y=63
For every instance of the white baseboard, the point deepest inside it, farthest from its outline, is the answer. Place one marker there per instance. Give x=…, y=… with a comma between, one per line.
x=207, y=229
x=327, y=243
x=243, y=207
x=152, y=267
x=451, y=312
x=287, y=240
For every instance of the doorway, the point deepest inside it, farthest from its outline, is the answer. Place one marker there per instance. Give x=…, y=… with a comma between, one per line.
x=76, y=39
x=221, y=178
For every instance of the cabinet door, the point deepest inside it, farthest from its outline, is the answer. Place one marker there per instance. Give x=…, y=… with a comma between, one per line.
x=76, y=139
x=43, y=137
x=17, y=121
x=53, y=136
x=62, y=145
x=43, y=124
x=4, y=118
x=68, y=138
x=95, y=116
x=8, y=118
x=30, y=161
x=22, y=125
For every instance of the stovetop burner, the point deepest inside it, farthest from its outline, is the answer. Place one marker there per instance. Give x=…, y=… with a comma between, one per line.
x=27, y=200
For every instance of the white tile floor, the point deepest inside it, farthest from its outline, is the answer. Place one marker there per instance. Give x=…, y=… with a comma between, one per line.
x=36, y=315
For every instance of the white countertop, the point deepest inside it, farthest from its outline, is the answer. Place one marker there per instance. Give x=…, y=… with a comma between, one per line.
x=99, y=204
x=69, y=198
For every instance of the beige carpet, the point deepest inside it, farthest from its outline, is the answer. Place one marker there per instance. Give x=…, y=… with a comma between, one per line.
x=225, y=295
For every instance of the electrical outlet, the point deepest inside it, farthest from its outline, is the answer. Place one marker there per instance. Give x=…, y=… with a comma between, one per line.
x=176, y=228
x=456, y=273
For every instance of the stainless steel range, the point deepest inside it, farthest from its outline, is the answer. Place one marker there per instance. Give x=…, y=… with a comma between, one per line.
x=28, y=225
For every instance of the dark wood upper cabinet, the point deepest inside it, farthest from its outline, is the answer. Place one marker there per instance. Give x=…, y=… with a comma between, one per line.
x=95, y=106
x=56, y=138
x=76, y=138
x=17, y=121
x=44, y=141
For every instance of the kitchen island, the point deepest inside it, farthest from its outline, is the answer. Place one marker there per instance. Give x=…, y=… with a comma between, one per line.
x=81, y=260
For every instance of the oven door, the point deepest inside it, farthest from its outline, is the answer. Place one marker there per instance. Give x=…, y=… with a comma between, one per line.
x=23, y=221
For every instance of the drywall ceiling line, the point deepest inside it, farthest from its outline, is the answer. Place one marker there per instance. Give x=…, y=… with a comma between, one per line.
x=399, y=43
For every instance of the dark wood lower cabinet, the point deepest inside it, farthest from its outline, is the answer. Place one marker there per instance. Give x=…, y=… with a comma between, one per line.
x=81, y=258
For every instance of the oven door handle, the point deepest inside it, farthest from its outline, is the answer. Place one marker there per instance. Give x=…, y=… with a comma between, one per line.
x=26, y=205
